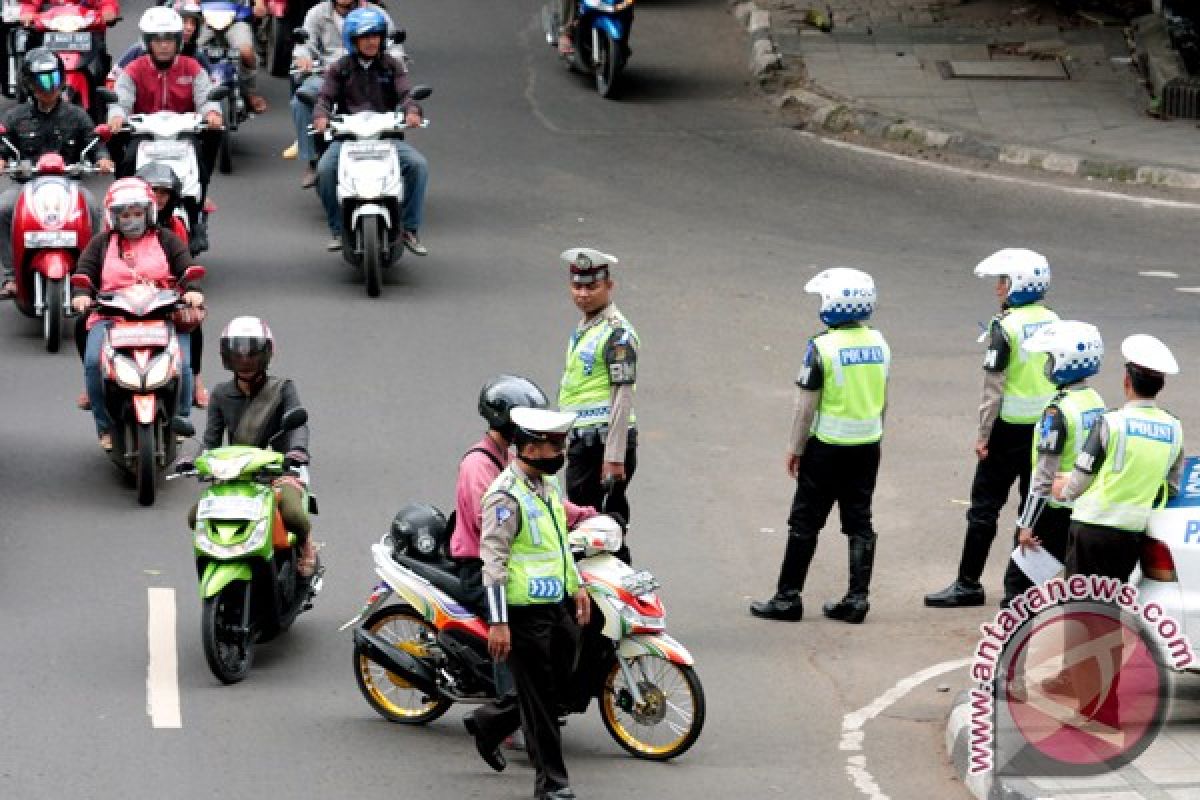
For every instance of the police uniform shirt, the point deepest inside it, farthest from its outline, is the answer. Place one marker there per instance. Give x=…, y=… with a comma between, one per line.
x=995, y=362
x=808, y=398
x=1091, y=458
x=1051, y=439
x=620, y=359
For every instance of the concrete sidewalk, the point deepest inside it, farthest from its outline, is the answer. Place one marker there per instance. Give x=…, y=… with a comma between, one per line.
x=1054, y=92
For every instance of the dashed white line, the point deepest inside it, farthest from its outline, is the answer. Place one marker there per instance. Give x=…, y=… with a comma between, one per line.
x=162, y=671
x=1158, y=273
x=1188, y=289
x=853, y=734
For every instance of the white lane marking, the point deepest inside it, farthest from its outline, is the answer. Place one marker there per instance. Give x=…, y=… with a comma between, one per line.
x=162, y=672
x=852, y=725
x=1158, y=273
x=1146, y=202
x=1188, y=289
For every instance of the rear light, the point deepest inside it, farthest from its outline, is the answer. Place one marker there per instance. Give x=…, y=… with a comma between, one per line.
x=1157, y=564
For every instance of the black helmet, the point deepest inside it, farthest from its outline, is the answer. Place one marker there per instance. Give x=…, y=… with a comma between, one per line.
x=247, y=345
x=419, y=531
x=500, y=396
x=160, y=176
x=42, y=70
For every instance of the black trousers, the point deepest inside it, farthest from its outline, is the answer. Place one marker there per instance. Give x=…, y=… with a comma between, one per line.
x=1100, y=550
x=585, y=459
x=830, y=473
x=1009, y=460
x=544, y=643
x=1051, y=529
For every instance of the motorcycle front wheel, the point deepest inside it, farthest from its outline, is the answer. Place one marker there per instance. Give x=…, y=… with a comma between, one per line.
x=372, y=254
x=670, y=717
x=392, y=697
x=143, y=470
x=52, y=316
x=227, y=649
x=606, y=62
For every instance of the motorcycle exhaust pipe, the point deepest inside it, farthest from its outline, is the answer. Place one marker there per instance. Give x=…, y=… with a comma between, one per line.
x=395, y=660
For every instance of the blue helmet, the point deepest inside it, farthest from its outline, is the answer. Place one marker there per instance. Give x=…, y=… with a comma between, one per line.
x=362, y=22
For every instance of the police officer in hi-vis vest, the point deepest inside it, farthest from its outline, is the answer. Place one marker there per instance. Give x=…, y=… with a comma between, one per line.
x=598, y=385
x=1074, y=353
x=1015, y=391
x=534, y=595
x=834, y=450
x=1131, y=462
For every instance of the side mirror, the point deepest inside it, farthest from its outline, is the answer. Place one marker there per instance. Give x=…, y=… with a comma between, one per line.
x=183, y=427
x=294, y=418
x=420, y=92
x=106, y=94
x=103, y=132
x=193, y=274
x=82, y=282
x=300, y=35
x=399, y=36
x=218, y=93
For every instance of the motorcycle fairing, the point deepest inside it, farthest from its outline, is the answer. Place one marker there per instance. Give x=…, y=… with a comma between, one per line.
x=655, y=644
x=217, y=575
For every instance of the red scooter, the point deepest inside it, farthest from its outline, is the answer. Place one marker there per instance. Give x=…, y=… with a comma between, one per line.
x=76, y=35
x=51, y=226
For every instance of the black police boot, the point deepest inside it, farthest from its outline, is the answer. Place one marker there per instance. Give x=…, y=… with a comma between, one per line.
x=786, y=606
x=853, y=607
x=960, y=594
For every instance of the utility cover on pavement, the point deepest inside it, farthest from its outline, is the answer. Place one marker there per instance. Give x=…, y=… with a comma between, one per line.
x=1004, y=70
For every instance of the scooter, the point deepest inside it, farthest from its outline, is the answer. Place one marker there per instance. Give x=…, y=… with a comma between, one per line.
x=370, y=188
x=219, y=15
x=600, y=37
x=76, y=34
x=245, y=558
x=51, y=226
x=141, y=364
x=415, y=659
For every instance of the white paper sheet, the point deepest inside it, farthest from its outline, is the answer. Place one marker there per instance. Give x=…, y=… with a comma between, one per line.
x=1037, y=564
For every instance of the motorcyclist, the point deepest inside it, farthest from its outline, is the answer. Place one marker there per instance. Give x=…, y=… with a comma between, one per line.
x=249, y=409
x=323, y=24
x=109, y=9
x=192, y=15
x=368, y=79
x=46, y=124
x=240, y=36
x=165, y=80
x=133, y=250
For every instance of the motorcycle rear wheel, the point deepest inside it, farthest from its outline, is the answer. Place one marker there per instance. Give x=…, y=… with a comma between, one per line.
x=229, y=655
x=372, y=255
x=672, y=714
x=392, y=697
x=143, y=469
x=52, y=318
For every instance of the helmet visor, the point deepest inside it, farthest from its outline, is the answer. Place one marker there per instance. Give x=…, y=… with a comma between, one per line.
x=48, y=81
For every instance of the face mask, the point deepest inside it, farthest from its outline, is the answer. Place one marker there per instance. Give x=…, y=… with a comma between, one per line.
x=132, y=227
x=547, y=466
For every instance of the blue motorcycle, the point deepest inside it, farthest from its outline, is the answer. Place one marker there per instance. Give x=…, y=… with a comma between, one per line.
x=219, y=15
x=600, y=37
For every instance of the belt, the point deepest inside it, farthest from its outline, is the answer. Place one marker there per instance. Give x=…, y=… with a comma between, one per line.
x=590, y=435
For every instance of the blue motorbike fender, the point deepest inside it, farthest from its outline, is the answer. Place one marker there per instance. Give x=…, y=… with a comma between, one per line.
x=612, y=26
x=218, y=575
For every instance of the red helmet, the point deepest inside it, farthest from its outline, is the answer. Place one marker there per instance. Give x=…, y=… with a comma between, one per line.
x=126, y=193
x=247, y=345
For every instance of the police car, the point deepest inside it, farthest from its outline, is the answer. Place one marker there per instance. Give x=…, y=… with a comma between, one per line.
x=1169, y=573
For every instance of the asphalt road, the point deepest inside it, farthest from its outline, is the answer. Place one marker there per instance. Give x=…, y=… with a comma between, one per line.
x=719, y=215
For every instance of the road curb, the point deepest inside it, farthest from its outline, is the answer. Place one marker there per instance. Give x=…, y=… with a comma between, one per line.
x=982, y=787
x=823, y=113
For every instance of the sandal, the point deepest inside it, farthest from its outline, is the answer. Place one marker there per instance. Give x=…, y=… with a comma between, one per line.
x=200, y=396
x=257, y=103
x=307, y=565
x=106, y=443
x=83, y=402
x=8, y=290
x=565, y=45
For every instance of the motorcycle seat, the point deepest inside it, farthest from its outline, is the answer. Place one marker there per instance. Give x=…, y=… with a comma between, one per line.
x=447, y=582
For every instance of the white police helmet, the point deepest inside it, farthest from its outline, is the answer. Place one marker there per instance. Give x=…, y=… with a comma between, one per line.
x=1147, y=352
x=847, y=294
x=1075, y=349
x=1028, y=273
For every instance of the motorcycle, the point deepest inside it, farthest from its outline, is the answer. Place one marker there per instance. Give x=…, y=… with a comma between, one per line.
x=370, y=188
x=76, y=34
x=245, y=558
x=141, y=364
x=218, y=16
x=600, y=38
x=51, y=226
x=271, y=35
x=415, y=659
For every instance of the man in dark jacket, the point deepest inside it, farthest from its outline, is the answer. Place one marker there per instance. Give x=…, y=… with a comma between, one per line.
x=46, y=124
x=367, y=79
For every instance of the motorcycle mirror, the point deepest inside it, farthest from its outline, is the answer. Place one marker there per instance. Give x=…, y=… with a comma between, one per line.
x=293, y=418
x=183, y=427
x=82, y=282
x=420, y=92
x=399, y=36
x=106, y=94
x=218, y=93
x=192, y=274
x=104, y=132
x=300, y=35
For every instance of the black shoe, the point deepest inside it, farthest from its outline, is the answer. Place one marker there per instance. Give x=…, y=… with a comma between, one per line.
x=847, y=610
x=785, y=606
x=959, y=594
x=565, y=793
x=198, y=241
x=488, y=751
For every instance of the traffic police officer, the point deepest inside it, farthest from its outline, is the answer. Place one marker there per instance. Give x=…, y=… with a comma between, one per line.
x=1131, y=461
x=598, y=385
x=834, y=454
x=1075, y=351
x=533, y=590
x=1015, y=391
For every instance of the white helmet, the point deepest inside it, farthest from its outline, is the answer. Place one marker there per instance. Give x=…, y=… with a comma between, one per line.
x=1143, y=350
x=1028, y=273
x=159, y=21
x=599, y=534
x=1075, y=349
x=540, y=424
x=847, y=294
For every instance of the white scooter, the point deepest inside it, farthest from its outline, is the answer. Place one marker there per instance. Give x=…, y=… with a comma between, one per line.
x=370, y=188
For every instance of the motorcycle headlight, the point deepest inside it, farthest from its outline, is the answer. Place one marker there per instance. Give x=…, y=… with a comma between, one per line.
x=65, y=24
x=218, y=20
x=255, y=540
x=369, y=186
x=126, y=373
x=159, y=371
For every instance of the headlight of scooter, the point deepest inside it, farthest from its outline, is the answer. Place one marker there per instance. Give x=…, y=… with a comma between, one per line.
x=255, y=540
x=159, y=371
x=126, y=373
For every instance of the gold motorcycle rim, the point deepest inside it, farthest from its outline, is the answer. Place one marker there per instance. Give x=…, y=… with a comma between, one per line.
x=664, y=722
x=389, y=690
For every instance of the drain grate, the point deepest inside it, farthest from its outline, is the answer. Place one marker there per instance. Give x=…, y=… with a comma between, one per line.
x=1181, y=98
x=1042, y=70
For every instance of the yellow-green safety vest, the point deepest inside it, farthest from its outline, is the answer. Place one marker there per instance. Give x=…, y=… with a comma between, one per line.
x=1027, y=390
x=1143, y=443
x=854, y=371
x=541, y=568
x=1080, y=407
x=586, y=388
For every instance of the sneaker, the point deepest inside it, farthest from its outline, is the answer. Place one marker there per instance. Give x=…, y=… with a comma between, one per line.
x=335, y=243
x=309, y=179
x=291, y=151
x=414, y=244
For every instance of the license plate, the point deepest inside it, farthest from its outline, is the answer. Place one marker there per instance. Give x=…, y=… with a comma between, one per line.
x=219, y=53
x=152, y=335
x=169, y=150
x=56, y=40
x=229, y=507
x=367, y=152
x=51, y=238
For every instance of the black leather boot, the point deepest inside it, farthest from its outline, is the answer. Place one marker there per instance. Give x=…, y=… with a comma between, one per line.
x=786, y=606
x=960, y=594
x=853, y=607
